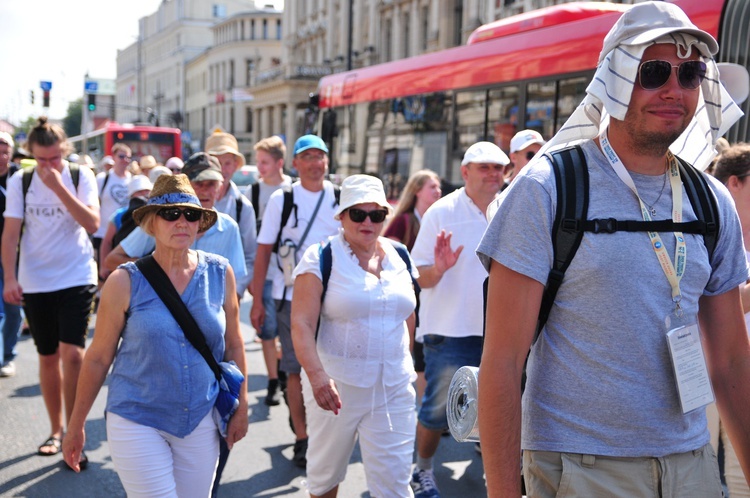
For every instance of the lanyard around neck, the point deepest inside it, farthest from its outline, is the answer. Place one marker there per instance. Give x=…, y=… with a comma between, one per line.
x=673, y=272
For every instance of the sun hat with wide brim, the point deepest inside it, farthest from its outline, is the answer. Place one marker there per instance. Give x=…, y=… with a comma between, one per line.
x=175, y=191
x=218, y=144
x=361, y=189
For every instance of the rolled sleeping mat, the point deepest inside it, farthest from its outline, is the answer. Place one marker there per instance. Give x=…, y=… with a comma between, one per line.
x=462, y=405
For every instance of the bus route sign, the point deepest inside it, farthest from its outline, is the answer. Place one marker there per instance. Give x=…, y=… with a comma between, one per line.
x=45, y=85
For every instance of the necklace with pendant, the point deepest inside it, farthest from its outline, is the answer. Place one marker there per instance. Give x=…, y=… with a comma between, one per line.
x=651, y=207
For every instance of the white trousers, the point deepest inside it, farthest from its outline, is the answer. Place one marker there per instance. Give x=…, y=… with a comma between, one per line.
x=152, y=463
x=385, y=421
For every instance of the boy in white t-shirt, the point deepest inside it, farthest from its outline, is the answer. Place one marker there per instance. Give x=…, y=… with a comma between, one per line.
x=56, y=278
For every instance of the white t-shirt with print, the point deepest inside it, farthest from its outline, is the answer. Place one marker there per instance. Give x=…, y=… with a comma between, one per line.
x=323, y=227
x=112, y=197
x=56, y=252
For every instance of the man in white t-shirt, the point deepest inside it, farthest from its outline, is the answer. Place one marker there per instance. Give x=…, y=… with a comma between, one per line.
x=269, y=158
x=112, y=186
x=310, y=221
x=450, y=313
x=56, y=278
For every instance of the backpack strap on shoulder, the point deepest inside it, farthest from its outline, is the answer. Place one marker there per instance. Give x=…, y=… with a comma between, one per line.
x=286, y=212
x=572, y=183
x=704, y=203
x=75, y=174
x=255, y=201
x=238, y=208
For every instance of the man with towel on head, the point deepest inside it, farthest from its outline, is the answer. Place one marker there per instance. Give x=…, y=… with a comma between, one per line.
x=602, y=412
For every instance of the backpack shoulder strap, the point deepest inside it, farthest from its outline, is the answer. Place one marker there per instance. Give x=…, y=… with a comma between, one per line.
x=326, y=262
x=255, y=197
x=75, y=174
x=104, y=183
x=238, y=208
x=28, y=173
x=286, y=212
x=572, y=183
x=703, y=201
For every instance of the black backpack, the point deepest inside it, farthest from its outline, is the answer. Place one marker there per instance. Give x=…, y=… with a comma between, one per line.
x=572, y=181
x=127, y=224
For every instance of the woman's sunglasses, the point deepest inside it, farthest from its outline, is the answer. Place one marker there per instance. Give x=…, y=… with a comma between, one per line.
x=655, y=74
x=358, y=215
x=173, y=214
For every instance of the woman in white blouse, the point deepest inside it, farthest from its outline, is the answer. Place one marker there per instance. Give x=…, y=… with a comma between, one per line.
x=357, y=373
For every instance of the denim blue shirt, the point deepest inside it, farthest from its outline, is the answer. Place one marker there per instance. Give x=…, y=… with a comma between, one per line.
x=159, y=379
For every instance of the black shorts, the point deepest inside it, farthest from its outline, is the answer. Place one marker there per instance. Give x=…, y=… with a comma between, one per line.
x=59, y=316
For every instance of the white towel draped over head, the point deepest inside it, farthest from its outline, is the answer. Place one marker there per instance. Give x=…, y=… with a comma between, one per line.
x=609, y=93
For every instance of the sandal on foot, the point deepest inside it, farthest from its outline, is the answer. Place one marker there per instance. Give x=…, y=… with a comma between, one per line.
x=83, y=461
x=53, y=442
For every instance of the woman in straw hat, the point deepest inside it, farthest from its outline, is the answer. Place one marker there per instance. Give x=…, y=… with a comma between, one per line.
x=358, y=367
x=161, y=434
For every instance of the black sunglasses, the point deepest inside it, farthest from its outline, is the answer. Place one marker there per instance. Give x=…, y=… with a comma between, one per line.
x=173, y=214
x=655, y=74
x=359, y=215
x=530, y=155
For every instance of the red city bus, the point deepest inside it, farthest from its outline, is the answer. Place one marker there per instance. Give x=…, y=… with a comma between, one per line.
x=526, y=71
x=162, y=143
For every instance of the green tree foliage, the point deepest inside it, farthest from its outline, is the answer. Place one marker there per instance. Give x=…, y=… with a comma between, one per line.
x=72, y=121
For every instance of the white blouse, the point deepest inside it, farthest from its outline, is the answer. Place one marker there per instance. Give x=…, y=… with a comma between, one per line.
x=362, y=323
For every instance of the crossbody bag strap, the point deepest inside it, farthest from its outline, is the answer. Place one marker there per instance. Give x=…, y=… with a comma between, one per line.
x=312, y=218
x=163, y=287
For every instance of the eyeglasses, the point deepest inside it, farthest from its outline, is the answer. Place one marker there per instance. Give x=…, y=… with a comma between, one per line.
x=173, y=214
x=653, y=75
x=359, y=215
x=308, y=158
x=486, y=167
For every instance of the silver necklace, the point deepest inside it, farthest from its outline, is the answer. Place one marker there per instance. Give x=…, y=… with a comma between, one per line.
x=651, y=207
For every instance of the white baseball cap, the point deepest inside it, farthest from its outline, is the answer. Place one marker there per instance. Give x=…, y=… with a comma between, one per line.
x=138, y=183
x=6, y=138
x=524, y=138
x=485, y=152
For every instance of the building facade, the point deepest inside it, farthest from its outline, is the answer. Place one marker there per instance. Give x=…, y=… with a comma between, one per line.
x=250, y=70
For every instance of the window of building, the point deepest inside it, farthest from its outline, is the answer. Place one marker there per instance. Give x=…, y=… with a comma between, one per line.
x=425, y=26
x=252, y=29
x=388, y=41
x=248, y=120
x=249, y=70
x=458, y=22
x=219, y=10
x=407, y=35
x=278, y=29
x=265, y=29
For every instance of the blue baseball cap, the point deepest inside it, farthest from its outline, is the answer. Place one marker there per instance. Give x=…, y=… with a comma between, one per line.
x=309, y=142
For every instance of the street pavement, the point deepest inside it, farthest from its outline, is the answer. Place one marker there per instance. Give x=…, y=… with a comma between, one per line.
x=259, y=465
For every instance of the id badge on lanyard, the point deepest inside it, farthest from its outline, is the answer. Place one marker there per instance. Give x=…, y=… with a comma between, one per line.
x=683, y=334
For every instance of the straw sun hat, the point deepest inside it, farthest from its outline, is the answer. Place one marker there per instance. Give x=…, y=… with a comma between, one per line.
x=175, y=191
x=219, y=143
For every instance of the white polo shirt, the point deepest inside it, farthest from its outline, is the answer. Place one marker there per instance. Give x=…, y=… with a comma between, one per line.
x=452, y=308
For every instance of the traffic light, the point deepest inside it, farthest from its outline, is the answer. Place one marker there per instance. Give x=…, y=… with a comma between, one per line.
x=45, y=99
x=31, y=94
x=92, y=102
